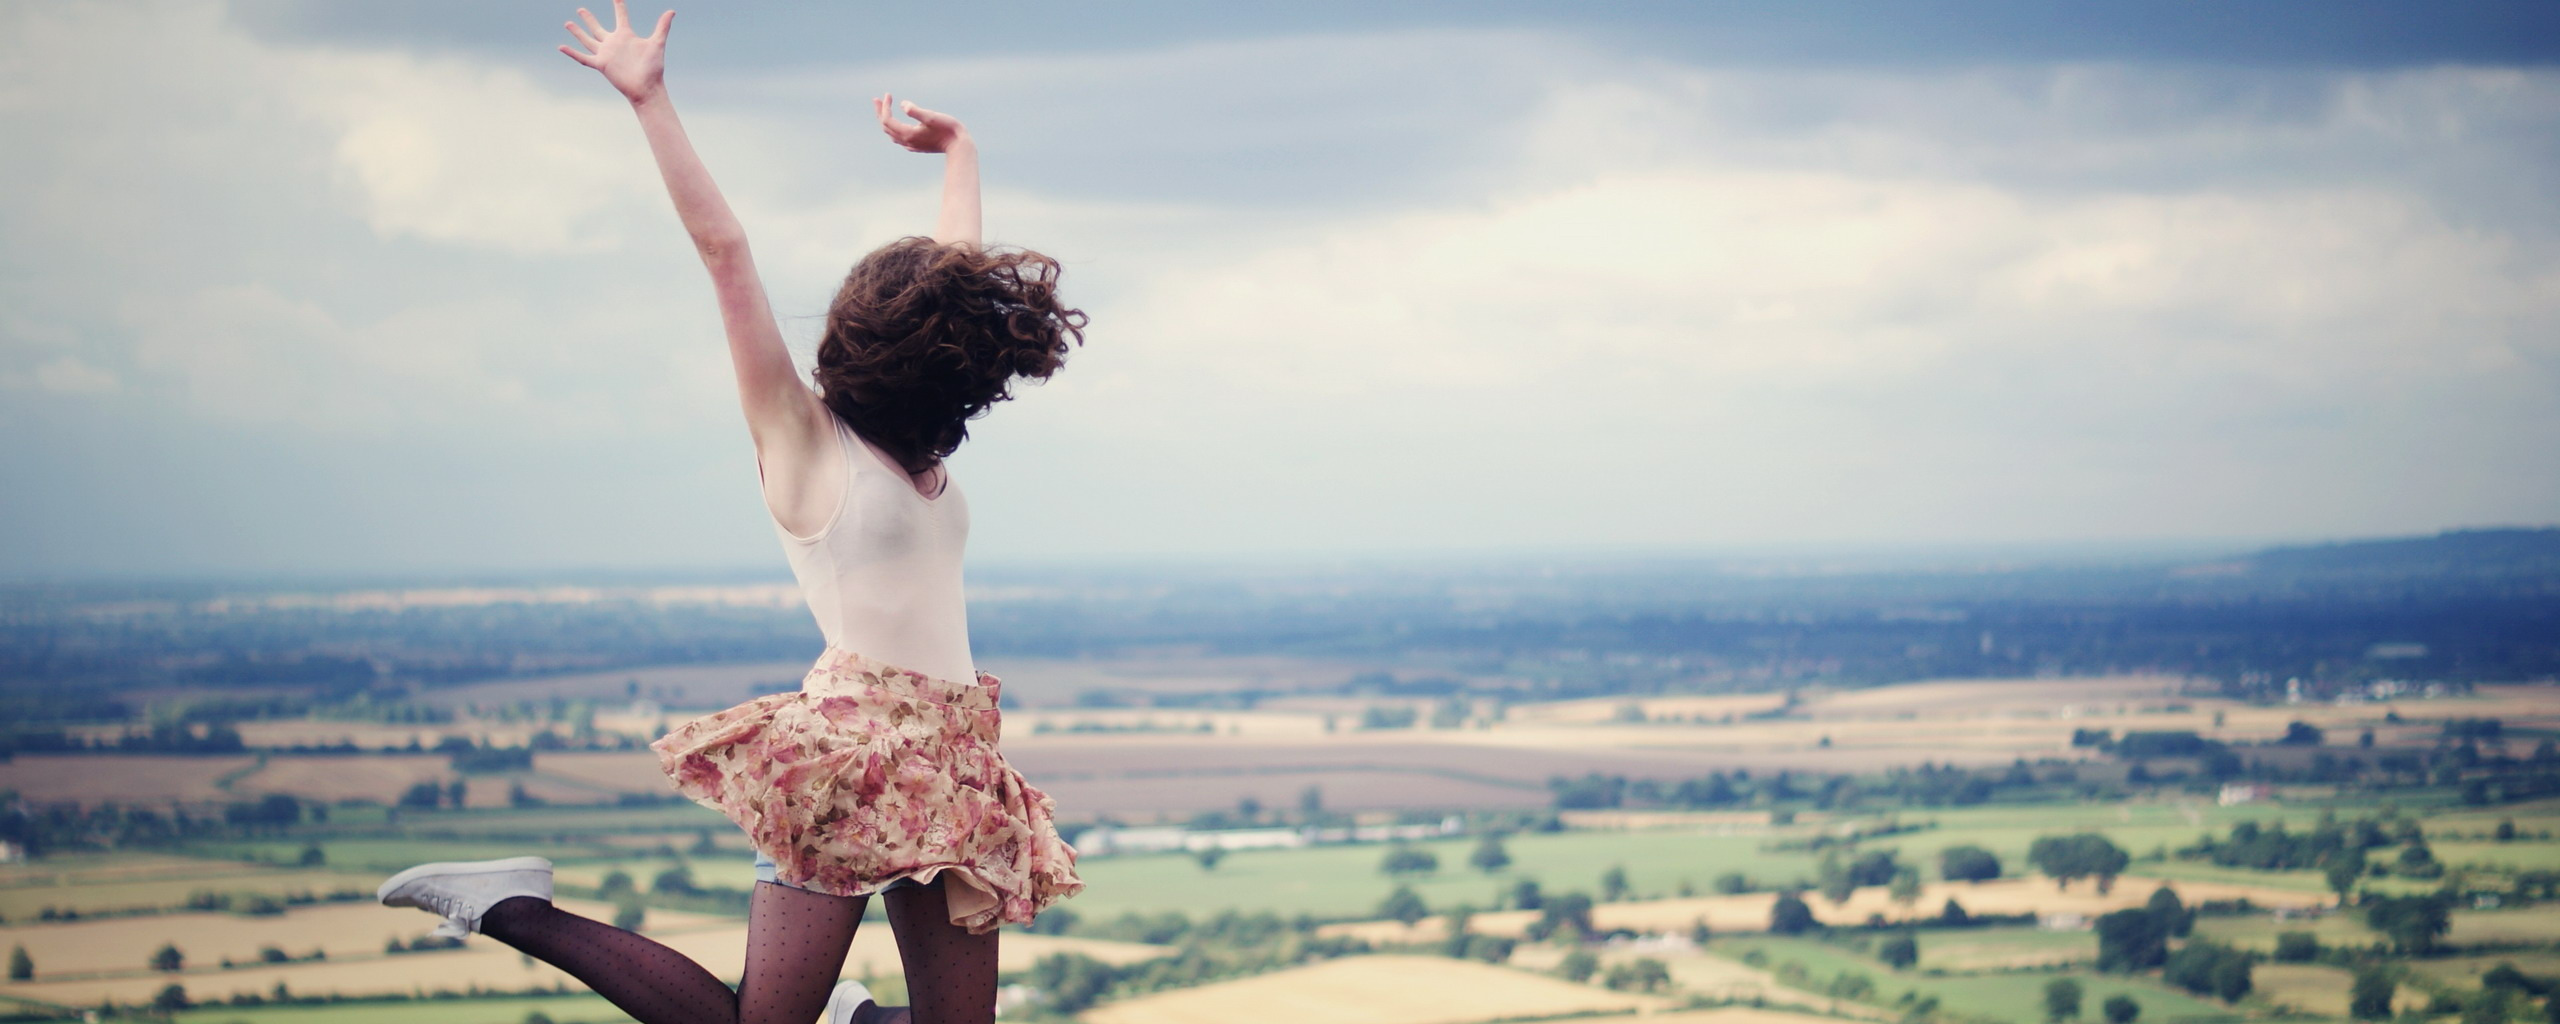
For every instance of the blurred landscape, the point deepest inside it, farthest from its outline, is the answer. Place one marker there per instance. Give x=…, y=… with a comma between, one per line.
x=2308, y=782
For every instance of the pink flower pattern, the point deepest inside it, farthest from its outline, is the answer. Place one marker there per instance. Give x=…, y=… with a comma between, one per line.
x=870, y=774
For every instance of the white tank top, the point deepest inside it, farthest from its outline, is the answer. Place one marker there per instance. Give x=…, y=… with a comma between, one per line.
x=883, y=575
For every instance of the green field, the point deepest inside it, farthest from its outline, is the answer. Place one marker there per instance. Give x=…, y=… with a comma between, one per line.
x=2009, y=997
x=1986, y=948
x=569, y=1009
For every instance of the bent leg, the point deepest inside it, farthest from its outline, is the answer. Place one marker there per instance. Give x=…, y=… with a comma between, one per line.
x=951, y=974
x=796, y=942
x=652, y=983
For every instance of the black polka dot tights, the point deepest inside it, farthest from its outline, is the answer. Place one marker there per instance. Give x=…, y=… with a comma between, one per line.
x=796, y=943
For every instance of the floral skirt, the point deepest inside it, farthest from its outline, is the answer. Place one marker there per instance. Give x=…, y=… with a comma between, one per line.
x=872, y=774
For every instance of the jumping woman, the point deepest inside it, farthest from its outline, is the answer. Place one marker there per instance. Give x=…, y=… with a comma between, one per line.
x=880, y=776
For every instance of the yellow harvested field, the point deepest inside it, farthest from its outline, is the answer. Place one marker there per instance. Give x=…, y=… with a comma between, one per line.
x=1376, y=990
x=1740, y=1015
x=380, y=777
x=122, y=778
x=342, y=930
x=1750, y=912
x=485, y=965
x=617, y=772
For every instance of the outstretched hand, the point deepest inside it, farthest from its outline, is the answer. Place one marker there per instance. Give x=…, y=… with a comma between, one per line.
x=933, y=132
x=634, y=63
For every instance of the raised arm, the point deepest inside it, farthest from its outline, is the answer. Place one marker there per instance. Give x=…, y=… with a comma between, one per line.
x=936, y=132
x=788, y=423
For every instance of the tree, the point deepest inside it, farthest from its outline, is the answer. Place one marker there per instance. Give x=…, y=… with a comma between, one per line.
x=2087, y=855
x=1837, y=885
x=616, y=882
x=1613, y=884
x=1790, y=915
x=313, y=856
x=1406, y=860
x=1905, y=888
x=1899, y=952
x=1525, y=894
x=2487, y=1006
x=2414, y=923
x=1458, y=918
x=171, y=998
x=628, y=914
x=677, y=879
x=1643, y=974
x=1404, y=905
x=2417, y=860
x=1579, y=965
x=1569, y=914
x=1733, y=883
x=1489, y=856
x=2061, y=999
x=2174, y=916
x=21, y=966
x=2301, y=734
x=1209, y=856
x=2506, y=830
x=1071, y=982
x=2132, y=939
x=2371, y=998
x=1952, y=915
x=2231, y=977
x=167, y=958
x=2297, y=948
x=2120, y=1009
x=2341, y=869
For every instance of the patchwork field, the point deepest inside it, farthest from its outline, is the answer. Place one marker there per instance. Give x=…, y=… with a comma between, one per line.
x=343, y=931
x=1375, y=990
x=24, y=903
x=2010, y=998
x=1750, y=912
x=486, y=966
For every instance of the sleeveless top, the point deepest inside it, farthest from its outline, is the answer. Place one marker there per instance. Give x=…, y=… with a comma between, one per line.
x=883, y=575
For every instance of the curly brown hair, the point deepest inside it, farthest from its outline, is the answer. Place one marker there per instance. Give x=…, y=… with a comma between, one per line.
x=925, y=337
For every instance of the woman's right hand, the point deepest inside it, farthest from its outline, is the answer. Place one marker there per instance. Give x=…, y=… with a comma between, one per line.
x=634, y=63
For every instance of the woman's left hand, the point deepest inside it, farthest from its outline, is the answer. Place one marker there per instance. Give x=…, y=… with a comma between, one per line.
x=933, y=132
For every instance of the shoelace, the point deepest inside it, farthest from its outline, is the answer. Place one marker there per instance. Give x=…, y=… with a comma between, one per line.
x=450, y=905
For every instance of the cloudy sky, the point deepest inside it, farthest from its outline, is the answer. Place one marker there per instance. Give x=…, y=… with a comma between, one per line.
x=344, y=288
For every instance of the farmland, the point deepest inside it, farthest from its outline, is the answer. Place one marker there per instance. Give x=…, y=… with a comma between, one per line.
x=258, y=911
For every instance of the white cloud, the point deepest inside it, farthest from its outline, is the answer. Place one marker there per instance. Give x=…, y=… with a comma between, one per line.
x=70, y=376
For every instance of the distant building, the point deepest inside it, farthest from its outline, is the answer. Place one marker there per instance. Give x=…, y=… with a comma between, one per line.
x=2063, y=921
x=1106, y=840
x=2236, y=793
x=11, y=853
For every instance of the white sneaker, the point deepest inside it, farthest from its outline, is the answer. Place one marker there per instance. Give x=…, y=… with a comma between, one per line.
x=464, y=890
x=849, y=998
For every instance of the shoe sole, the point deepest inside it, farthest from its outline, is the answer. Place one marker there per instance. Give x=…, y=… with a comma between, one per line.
x=837, y=998
x=460, y=867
